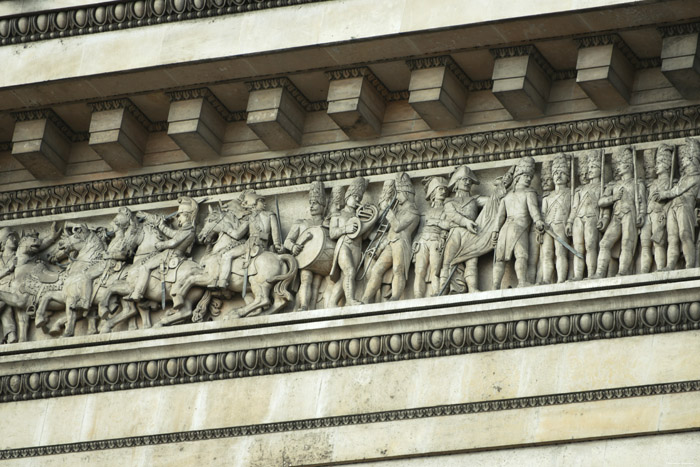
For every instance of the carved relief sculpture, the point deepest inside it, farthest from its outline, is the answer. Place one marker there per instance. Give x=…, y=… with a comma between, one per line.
x=517, y=210
x=8, y=261
x=556, y=208
x=653, y=235
x=395, y=248
x=626, y=196
x=681, y=201
x=535, y=258
x=430, y=244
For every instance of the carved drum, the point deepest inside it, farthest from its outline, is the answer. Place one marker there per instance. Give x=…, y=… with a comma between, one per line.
x=317, y=252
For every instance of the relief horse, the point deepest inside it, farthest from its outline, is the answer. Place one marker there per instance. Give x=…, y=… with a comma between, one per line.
x=268, y=272
x=145, y=238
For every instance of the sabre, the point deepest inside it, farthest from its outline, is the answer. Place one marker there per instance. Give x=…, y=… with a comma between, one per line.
x=447, y=283
x=673, y=160
x=245, y=274
x=279, y=224
x=563, y=242
x=162, y=286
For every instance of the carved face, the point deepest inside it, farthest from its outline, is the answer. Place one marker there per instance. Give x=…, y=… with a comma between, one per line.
x=316, y=208
x=464, y=184
x=560, y=177
x=11, y=243
x=440, y=193
x=523, y=181
x=593, y=172
x=353, y=201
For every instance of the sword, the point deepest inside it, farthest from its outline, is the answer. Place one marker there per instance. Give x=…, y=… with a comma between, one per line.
x=245, y=273
x=563, y=242
x=449, y=279
x=279, y=224
x=162, y=286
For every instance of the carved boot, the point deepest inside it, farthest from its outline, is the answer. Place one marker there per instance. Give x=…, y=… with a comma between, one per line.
x=139, y=288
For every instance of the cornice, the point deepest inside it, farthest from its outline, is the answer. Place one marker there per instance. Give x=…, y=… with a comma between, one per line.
x=124, y=103
x=286, y=83
x=365, y=72
x=122, y=15
x=352, y=351
x=679, y=29
x=531, y=50
x=443, y=60
x=39, y=114
x=205, y=93
x=418, y=413
x=468, y=148
x=614, y=39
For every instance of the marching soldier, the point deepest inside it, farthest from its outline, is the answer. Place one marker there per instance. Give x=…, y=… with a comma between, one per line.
x=653, y=234
x=556, y=208
x=429, y=247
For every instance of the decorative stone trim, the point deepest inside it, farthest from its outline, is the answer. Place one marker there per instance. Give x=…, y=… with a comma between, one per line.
x=125, y=103
x=283, y=82
x=352, y=351
x=548, y=400
x=37, y=114
x=607, y=39
x=122, y=15
x=679, y=29
x=531, y=50
x=444, y=60
x=446, y=151
x=383, y=91
x=205, y=93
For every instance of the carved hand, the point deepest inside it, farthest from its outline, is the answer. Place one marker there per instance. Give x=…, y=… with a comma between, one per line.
x=351, y=228
x=640, y=220
x=296, y=249
x=601, y=224
x=278, y=248
x=160, y=246
x=539, y=225
x=494, y=238
x=471, y=226
x=568, y=229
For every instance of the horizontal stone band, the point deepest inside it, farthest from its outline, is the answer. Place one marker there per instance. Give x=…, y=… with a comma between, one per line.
x=360, y=419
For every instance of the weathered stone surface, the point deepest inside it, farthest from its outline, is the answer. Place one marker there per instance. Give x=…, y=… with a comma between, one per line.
x=41, y=147
x=356, y=106
x=197, y=128
x=680, y=63
x=276, y=116
x=438, y=97
x=118, y=137
x=605, y=75
x=521, y=84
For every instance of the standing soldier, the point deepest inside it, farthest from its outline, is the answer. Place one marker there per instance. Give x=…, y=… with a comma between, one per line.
x=627, y=198
x=175, y=249
x=517, y=210
x=298, y=235
x=461, y=212
x=8, y=260
x=431, y=241
x=556, y=208
x=587, y=219
x=394, y=250
x=346, y=227
x=653, y=235
x=681, y=222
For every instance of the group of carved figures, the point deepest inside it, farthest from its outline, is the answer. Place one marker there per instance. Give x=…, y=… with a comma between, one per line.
x=349, y=252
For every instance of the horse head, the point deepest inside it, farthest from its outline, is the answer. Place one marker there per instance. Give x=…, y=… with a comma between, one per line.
x=212, y=226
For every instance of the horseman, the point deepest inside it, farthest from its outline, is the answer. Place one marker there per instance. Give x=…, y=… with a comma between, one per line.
x=171, y=252
x=8, y=260
x=262, y=226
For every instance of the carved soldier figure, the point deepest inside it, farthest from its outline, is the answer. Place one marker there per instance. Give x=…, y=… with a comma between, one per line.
x=461, y=212
x=236, y=219
x=8, y=261
x=628, y=211
x=534, y=255
x=556, y=208
x=394, y=250
x=174, y=249
x=681, y=199
x=586, y=219
x=653, y=234
x=299, y=235
x=347, y=228
x=429, y=247
x=517, y=210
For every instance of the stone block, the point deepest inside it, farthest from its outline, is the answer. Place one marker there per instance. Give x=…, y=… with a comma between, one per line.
x=521, y=83
x=275, y=114
x=356, y=106
x=40, y=145
x=438, y=96
x=605, y=74
x=117, y=135
x=680, y=63
x=197, y=128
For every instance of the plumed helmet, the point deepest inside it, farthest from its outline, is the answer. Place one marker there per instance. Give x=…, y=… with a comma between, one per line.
x=432, y=184
x=461, y=173
x=623, y=156
x=317, y=194
x=593, y=159
x=403, y=183
x=187, y=205
x=664, y=155
x=6, y=233
x=356, y=188
x=526, y=165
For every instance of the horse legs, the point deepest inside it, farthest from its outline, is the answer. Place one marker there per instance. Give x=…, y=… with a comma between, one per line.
x=128, y=310
x=72, y=317
x=261, y=292
x=22, y=325
x=183, y=290
x=145, y=317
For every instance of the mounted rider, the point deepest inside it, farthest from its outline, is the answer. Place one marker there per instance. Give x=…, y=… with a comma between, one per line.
x=261, y=225
x=171, y=252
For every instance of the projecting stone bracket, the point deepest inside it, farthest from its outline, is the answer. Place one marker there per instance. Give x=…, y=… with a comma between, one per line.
x=41, y=143
x=197, y=123
x=521, y=81
x=605, y=70
x=680, y=58
x=356, y=102
x=118, y=133
x=438, y=91
x=276, y=112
